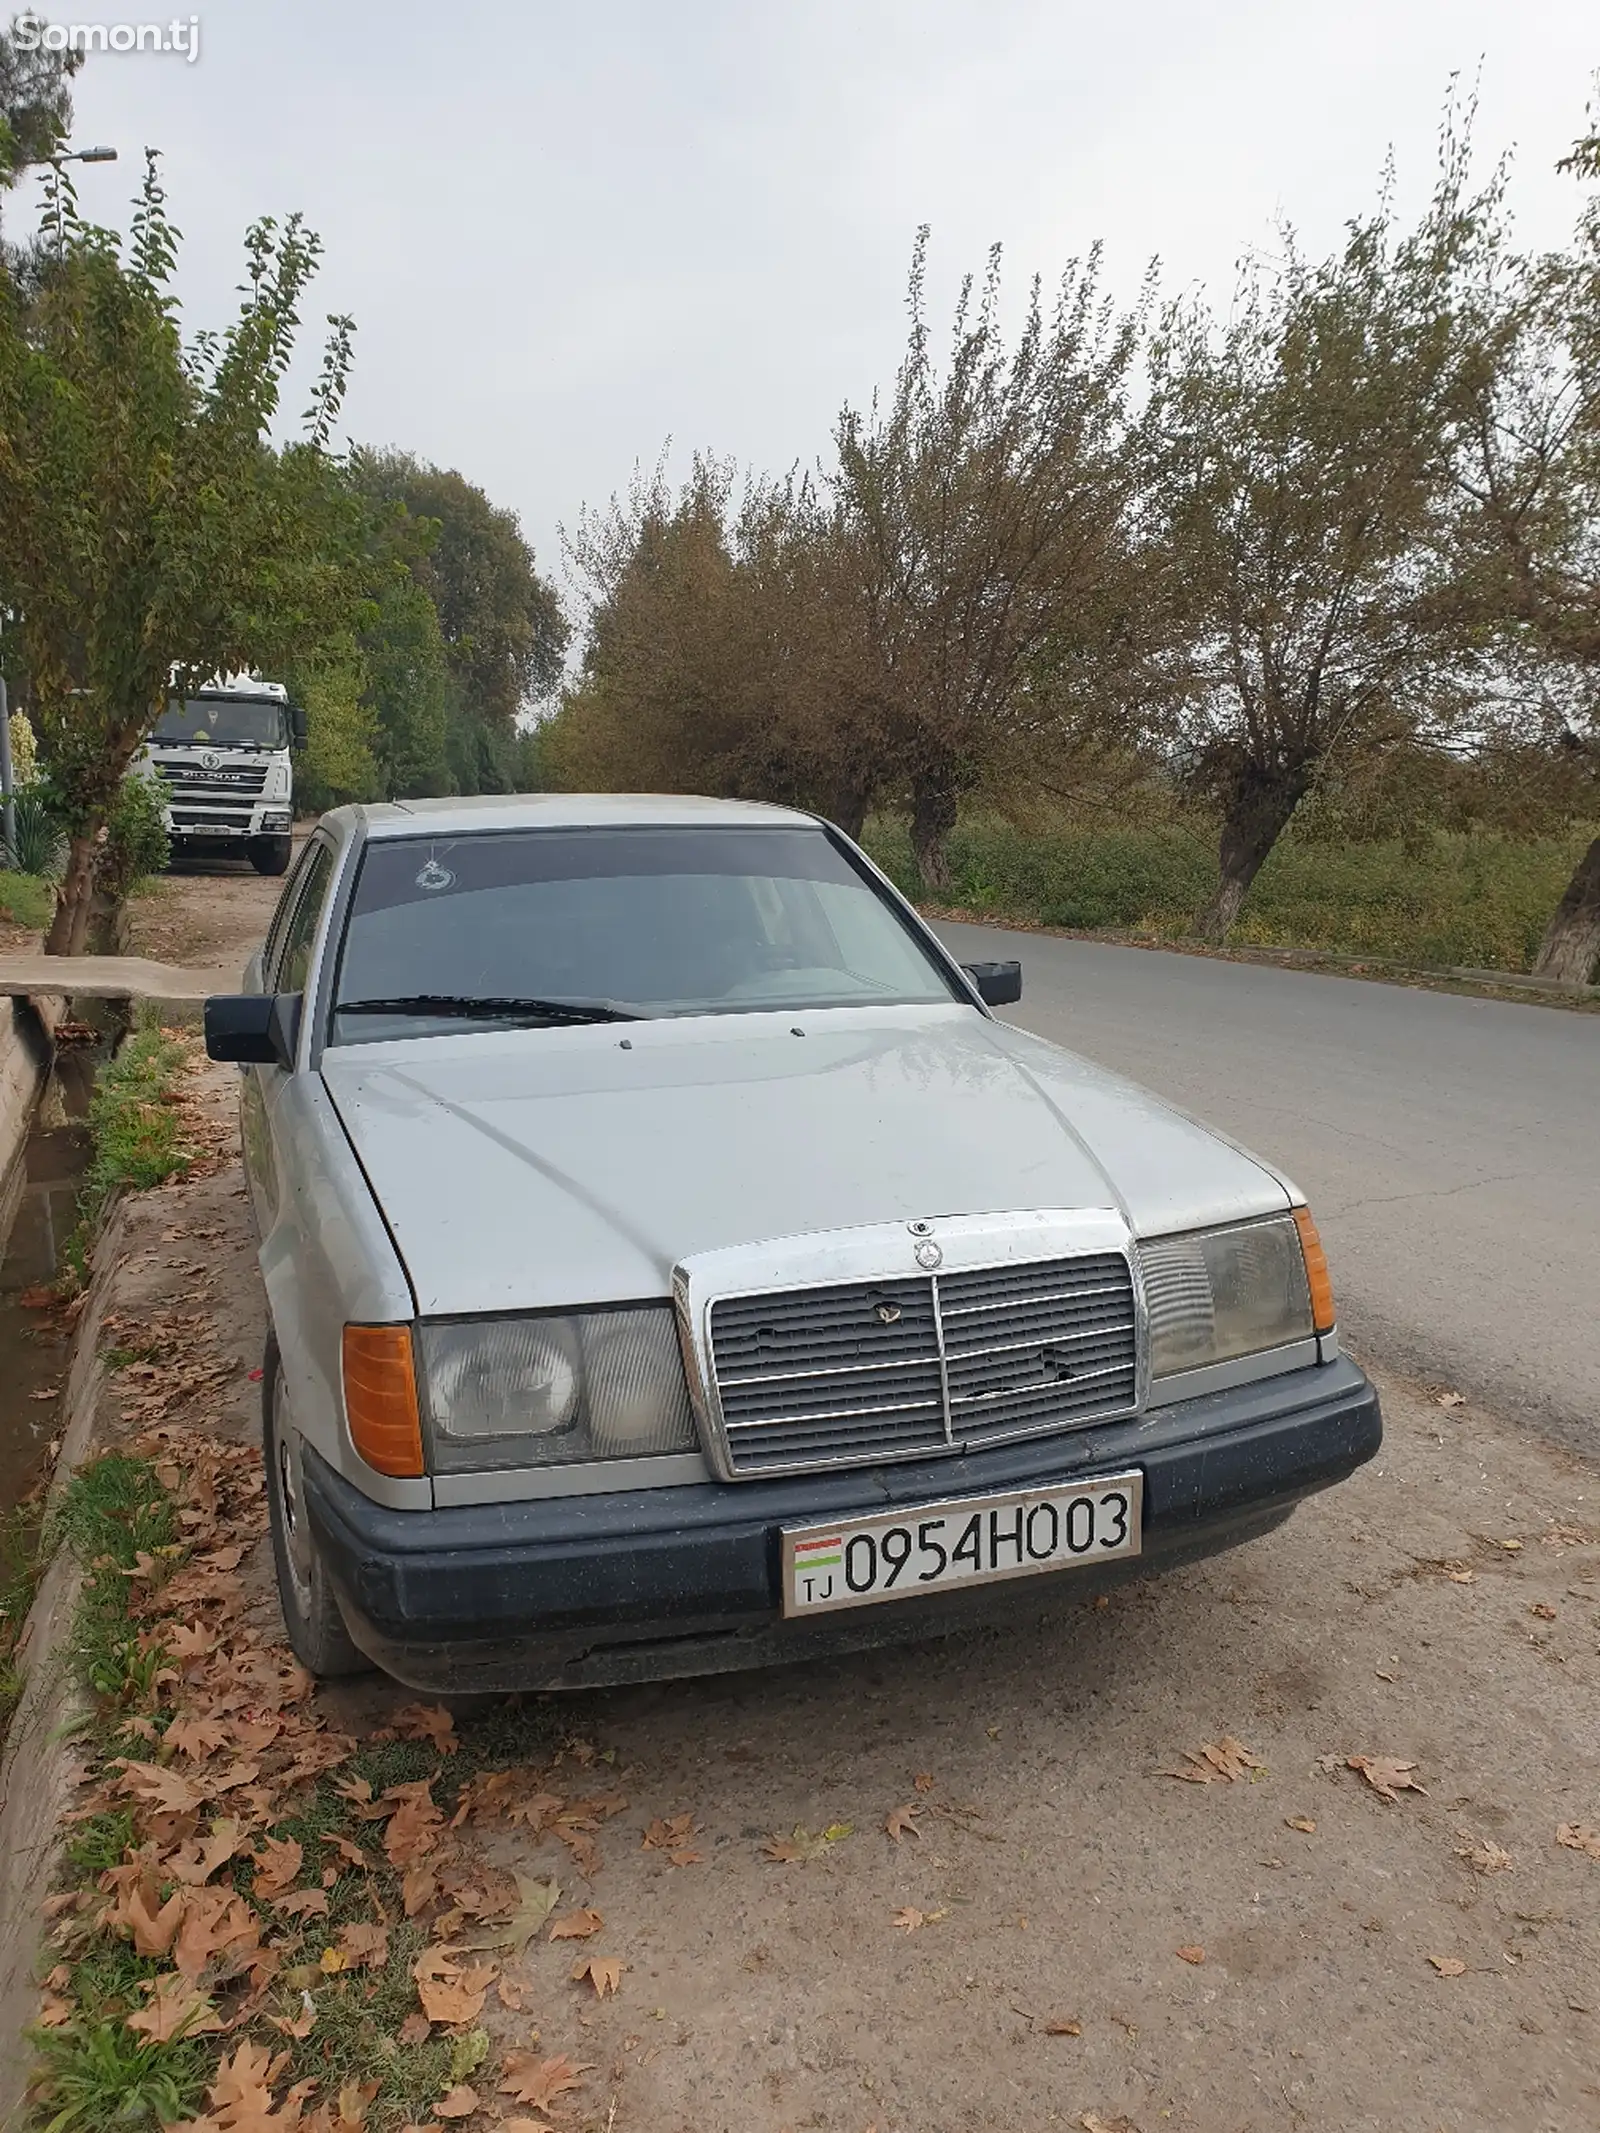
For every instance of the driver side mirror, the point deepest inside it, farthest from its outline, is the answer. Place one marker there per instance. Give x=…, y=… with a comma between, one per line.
x=998, y=984
x=297, y=725
x=254, y=1028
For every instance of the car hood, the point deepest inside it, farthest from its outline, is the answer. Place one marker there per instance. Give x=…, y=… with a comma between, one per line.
x=527, y=1169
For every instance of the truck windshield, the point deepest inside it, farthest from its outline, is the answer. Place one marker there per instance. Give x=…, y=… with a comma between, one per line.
x=223, y=722
x=553, y=926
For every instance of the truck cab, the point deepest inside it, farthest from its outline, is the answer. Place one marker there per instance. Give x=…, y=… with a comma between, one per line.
x=221, y=761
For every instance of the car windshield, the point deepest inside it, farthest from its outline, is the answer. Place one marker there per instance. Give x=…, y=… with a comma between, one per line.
x=222, y=722
x=600, y=924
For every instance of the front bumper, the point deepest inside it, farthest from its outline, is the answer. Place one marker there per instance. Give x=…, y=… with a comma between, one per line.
x=646, y=1584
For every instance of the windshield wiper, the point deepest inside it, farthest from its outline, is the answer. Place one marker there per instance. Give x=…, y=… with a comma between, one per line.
x=489, y=1008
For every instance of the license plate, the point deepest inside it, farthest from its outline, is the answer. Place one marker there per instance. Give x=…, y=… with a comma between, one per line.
x=976, y=1541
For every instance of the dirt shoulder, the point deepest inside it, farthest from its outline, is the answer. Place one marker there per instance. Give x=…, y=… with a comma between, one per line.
x=1064, y=1933
x=207, y=920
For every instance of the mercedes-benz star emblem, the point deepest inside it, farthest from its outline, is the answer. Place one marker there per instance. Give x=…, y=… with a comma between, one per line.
x=929, y=1256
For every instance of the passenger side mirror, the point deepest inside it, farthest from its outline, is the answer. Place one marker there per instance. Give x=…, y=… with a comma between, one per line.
x=297, y=725
x=253, y=1028
x=999, y=984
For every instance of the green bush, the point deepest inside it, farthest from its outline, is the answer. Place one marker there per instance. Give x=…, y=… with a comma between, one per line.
x=136, y=838
x=39, y=846
x=25, y=900
x=1472, y=900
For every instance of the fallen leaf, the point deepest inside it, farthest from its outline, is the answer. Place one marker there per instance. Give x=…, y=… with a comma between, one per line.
x=447, y=1992
x=903, y=1821
x=1448, y=1965
x=685, y=1855
x=1482, y=1854
x=1578, y=1837
x=430, y=1722
x=304, y=2022
x=801, y=1845
x=1386, y=1777
x=576, y=1925
x=364, y=1947
x=923, y=1781
x=1062, y=2026
x=1543, y=1610
x=176, y=2008
x=535, y=1901
x=1512, y=1547
x=511, y=1993
x=1452, y=1399
x=278, y=1862
x=1221, y=1762
x=1190, y=1955
x=669, y=1835
x=530, y=2079
x=414, y=2029
x=909, y=1919
x=1303, y=1823
x=54, y=2011
x=604, y=1973
x=302, y=1903
x=459, y=2102
x=1462, y=1577
x=198, y=1737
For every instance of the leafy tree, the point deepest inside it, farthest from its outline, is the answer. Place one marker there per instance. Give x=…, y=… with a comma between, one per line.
x=35, y=103
x=501, y=622
x=1526, y=538
x=1302, y=461
x=409, y=688
x=987, y=517
x=148, y=528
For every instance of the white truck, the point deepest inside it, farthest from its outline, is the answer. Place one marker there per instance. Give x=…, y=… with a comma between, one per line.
x=220, y=759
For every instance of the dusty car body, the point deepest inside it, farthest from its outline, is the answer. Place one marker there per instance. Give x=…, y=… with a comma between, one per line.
x=767, y=1298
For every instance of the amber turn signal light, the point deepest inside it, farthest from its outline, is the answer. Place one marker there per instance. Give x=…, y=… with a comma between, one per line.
x=1322, y=1316
x=380, y=1398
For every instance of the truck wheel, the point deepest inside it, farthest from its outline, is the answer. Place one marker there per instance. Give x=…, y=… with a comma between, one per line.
x=311, y=1614
x=270, y=855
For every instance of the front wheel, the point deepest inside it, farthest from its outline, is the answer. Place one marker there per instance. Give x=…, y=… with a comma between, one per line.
x=311, y=1614
x=270, y=855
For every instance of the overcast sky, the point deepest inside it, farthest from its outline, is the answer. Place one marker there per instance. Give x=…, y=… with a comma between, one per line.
x=570, y=233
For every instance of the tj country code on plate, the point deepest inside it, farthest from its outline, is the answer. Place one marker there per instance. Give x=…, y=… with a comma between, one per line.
x=932, y=1547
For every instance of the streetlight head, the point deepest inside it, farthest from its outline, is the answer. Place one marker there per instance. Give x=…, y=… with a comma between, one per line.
x=96, y=155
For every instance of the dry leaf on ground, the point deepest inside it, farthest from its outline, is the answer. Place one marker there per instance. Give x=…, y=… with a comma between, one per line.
x=176, y=2008
x=1303, y=1823
x=414, y=2029
x=669, y=1834
x=576, y=1925
x=303, y=2023
x=1221, y=1762
x=459, y=2102
x=1386, y=1777
x=1062, y=2026
x=923, y=1781
x=1578, y=1837
x=604, y=1973
x=448, y=1992
x=530, y=2079
x=1191, y=1955
x=535, y=1901
x=1543, y=1610
x=902, y=1821
x=1092, y=2122
x=364, y=1947
x=277, y=1863
x=429, y=1722
x=801, y=1845
x=1448, y=1965
x=1482, y=1854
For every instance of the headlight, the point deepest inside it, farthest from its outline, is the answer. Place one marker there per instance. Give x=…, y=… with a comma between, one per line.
x=546, y=1391
x=1220, y=1293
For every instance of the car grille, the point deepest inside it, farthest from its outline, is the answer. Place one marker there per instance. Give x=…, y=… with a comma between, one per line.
x=196, y=783
x=858, y=1372
x=210, y=818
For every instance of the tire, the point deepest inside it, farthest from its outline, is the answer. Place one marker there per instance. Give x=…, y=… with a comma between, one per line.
x=270, y=855
x=311, y=1614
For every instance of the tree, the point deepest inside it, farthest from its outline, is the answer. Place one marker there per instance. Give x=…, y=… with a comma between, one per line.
x=150, y=535
x=1526, y=540
x=503, y=628
x=1302, y=461
x=35, y=103
x=987, y=514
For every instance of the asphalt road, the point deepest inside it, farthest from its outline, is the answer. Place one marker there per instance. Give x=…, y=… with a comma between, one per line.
x=1449, y=1146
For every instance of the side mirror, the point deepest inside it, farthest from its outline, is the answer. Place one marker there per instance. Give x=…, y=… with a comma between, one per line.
x=253, y=1028
x=998, y=984
x=297, y=725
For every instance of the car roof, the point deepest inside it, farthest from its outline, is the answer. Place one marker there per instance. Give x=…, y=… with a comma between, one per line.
x=559, y=810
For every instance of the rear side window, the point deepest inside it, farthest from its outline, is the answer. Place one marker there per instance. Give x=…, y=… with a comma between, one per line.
x=273, y=945
x=294, y=955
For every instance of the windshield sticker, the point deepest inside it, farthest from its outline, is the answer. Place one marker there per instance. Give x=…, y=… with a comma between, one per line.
x=434, y=876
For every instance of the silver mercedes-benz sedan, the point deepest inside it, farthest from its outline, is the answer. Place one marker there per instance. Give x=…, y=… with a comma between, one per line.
x=674, y=1265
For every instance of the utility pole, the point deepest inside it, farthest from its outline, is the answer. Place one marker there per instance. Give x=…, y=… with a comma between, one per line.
x=8, y=808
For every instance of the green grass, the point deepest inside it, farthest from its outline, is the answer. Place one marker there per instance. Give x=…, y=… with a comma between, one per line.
x=137, y=1134
x=1463, y=900
x=21, y=1566
x=25, y=900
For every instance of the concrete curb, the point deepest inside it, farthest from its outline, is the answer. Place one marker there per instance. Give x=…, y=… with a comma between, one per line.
x=36, y=1776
